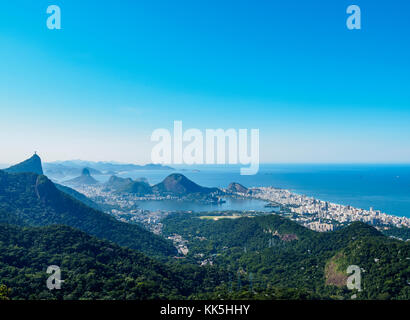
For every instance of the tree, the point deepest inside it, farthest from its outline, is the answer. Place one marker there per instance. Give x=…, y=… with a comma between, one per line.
x=4, y=291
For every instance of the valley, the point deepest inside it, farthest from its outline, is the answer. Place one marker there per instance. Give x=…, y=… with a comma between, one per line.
x=111, y=248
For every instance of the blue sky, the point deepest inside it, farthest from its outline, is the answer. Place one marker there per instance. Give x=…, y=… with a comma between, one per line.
x=118, y=70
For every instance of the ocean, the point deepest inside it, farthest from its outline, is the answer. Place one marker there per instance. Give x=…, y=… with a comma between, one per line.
x=383, y=187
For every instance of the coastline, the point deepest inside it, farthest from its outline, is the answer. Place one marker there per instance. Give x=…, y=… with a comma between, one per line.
x=309, y=209
x=385, y=187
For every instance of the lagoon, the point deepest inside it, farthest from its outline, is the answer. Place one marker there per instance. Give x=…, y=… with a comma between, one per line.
x=230, y=204
x=383, y=187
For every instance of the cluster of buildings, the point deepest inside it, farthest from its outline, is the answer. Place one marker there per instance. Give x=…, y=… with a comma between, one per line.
x=323, y=215
x=149, y=219
x=124, y=207
x=320, y=226
x=179, y=243
x=106, y=196
x=312, y=213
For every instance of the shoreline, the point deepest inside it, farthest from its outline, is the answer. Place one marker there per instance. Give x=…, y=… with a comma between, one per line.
x=314, y=209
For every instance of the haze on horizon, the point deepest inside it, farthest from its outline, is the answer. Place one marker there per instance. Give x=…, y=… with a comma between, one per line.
x=96, y=89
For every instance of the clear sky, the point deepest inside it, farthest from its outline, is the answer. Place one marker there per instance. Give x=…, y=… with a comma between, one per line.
x=118, y=70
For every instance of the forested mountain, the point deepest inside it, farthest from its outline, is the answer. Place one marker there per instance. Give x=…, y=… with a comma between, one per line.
x=91, y=268
x=178, y=184
x=84, y=179
x=32, y=164
x=402, y=233
x=78, y=196
x=60, y=171
x=255, y=257
x=31, y=199
x=175, y=184
x=279, y=253
x=117, y=182
x=127, y=185
x=235, y=187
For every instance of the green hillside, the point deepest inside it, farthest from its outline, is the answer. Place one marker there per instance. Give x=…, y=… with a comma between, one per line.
x=77, y=195
x=230, y=257
x=90, y=268
x=127, y=185
x=276, y=252
x=31, y=199
x=178, y=184
x=84, y=179
x=32, y=164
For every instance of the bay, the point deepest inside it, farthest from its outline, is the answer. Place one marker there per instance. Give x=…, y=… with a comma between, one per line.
x=383, y=187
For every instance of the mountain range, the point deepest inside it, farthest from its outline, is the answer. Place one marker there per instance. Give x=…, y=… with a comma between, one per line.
x=127, y=185
x=91, y=268
x=236, y=188
x=74, y=167
x=271, y=252
x=32, y=164
x=61, y=171
x=30, y=199
x=249, y=257
x=175, y=184
x=178, y=184
x=78, y=196
x=84, y=179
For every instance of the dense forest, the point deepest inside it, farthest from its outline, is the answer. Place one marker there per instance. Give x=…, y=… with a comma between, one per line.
x=275, y=252
x=98, y=269
x=33, y=200
x=258, y=257
x=402, y=233
x=78, y=196
x=91, y=268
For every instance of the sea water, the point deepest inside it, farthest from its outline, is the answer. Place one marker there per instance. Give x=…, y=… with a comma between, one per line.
x=383, y=187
